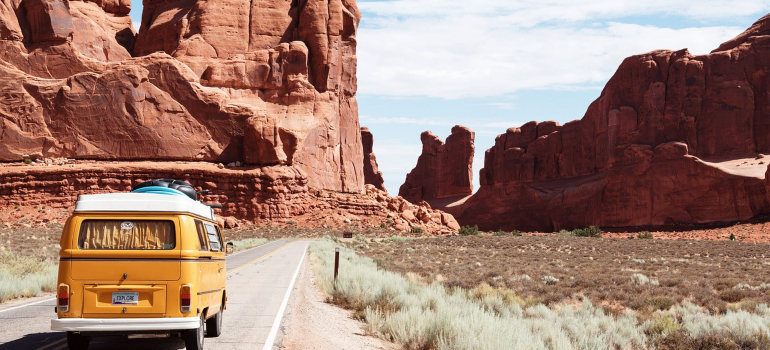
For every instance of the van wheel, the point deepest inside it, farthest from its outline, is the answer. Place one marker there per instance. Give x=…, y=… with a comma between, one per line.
x=75, y=341
x=193, y=338
x=214, y=325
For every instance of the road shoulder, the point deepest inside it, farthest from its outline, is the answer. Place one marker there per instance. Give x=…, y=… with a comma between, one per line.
x=312, y=324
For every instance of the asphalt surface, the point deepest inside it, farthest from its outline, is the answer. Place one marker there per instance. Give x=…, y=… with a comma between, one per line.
x=258, y=281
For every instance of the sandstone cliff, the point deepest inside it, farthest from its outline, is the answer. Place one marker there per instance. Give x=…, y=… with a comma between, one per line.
x=661, y=145
x=264, y=82
x=442, y=170
x=372, y=173
x=265, y=86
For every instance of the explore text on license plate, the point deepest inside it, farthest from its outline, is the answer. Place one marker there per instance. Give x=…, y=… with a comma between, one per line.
x=122, y=298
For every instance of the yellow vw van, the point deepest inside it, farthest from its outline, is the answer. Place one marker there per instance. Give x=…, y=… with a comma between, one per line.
x=149, y=263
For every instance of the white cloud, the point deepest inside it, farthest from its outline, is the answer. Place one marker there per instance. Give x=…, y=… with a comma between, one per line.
x=527, y=12
x=457, y=48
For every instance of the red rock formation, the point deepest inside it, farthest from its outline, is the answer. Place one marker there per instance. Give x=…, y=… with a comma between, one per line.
x=255, y=194
x=265, y=82
x=637, y=156
x=372, y=174
x=442, y=170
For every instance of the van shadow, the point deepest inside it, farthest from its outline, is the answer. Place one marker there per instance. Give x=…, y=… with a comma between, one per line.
x=35, y=341
x=58, y=340
x=120, y=343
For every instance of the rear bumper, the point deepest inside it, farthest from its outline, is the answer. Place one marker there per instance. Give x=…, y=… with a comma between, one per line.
x=123, y=324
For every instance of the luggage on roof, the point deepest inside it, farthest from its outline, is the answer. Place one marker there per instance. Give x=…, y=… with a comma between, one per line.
x=178, y=185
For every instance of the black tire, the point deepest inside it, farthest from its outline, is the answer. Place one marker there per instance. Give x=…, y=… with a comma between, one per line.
x=178, y=185
x=214, y=325
x=75, y=341
x=193, y=338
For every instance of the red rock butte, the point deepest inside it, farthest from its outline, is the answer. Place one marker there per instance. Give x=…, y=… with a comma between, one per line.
x=673, y=139
x=262, y=82
x=372, y=173
x=265, y=86
x=443, y=170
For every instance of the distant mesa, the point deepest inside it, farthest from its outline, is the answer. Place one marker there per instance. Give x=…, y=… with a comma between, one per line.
x=673, y=139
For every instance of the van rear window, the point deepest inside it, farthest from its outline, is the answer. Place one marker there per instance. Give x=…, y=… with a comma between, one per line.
x=127, y=235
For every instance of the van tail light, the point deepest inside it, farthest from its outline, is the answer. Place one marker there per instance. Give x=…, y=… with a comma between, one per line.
x=64, y=298
x=185, y=297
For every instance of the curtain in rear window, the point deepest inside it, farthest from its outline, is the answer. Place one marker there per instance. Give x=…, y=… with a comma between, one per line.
x=127, y=235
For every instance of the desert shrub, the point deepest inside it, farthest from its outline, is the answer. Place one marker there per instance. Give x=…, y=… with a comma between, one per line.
x=591, y=231
x=681, y=341
x=469, y=230
x=435, y=317
x=661, y=325
x=415, y=316
x=733, y=295
x=248, y=243
x=500, y=233
x=743, y=286
x=498, y=300
x=383, y=225
x=565, y=233
x=660, y=302
x=27, y=161
x=749, y=305
x=743, y=329
x=644, y=235
x=396, y=239
x=642, y=280
x=550, y=280
x=416, y=229
x=22, y=276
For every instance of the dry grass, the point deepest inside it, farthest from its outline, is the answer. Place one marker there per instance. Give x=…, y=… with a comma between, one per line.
x=618, y=274
x=403, y=308
x=24, y=276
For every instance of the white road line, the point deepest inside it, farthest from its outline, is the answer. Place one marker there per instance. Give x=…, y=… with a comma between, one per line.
x=277, y=323
x=25, y=305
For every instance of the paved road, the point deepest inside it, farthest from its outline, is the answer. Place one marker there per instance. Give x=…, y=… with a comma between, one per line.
x=258, y=282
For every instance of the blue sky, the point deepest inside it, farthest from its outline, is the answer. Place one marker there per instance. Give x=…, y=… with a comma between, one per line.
x=493, y=64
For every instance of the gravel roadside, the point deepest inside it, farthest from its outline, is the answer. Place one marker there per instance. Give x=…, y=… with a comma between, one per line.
x=312, y=324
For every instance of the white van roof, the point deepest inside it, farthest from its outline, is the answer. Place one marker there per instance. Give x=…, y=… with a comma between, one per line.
x=142, y=202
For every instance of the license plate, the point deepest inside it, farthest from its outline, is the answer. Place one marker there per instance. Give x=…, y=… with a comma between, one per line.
x=120, y=298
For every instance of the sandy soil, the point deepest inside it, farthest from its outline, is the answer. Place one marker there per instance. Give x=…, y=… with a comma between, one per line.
x=312, y=324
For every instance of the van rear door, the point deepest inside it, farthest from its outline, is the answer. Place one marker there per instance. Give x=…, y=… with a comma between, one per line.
x=125, y=265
